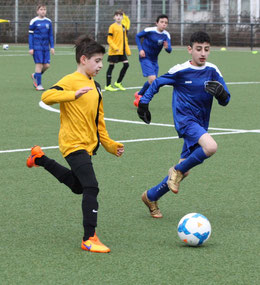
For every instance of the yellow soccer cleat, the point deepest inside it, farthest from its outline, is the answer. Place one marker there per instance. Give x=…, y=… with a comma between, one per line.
x=152, y=206
x=174, y=179
x=110, y=88
x=93, y=244
x=120, y=86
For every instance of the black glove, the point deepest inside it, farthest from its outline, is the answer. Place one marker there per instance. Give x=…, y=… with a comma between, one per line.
x=217, y=90
x=144, y=113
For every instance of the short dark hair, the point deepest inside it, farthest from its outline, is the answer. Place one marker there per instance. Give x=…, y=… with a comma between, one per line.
x=199, y=37
x=84, y=45
x=162, y=16
x=40, y=5
x=119, y=12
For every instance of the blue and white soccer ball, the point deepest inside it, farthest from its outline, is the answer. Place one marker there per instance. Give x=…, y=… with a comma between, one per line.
x=5, y=47
x=194, y=229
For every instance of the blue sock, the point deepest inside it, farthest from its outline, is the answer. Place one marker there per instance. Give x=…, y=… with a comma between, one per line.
x=38, y=77
x=158, y=191
x=195, y=158
x=144, y=88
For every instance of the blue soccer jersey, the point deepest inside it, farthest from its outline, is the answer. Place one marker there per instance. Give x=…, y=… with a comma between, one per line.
x=40, y=34
x=153, y=42
x=190, y=101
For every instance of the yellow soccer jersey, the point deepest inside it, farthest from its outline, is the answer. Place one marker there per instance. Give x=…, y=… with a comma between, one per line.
x=117, y=40
x=82, y=123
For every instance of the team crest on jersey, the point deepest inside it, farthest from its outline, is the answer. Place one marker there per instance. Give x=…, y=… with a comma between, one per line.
x=47, y=26
x=160, y=42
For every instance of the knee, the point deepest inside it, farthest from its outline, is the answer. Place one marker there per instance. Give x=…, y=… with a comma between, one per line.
x=211, y=149
x=46, y=66
x=151, y=80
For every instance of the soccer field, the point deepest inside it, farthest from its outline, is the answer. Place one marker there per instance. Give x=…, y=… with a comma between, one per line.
x=41, y=220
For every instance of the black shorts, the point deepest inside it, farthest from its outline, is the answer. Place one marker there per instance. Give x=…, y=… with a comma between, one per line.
x=117, y=58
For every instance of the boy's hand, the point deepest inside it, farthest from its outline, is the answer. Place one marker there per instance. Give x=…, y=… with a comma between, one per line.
x=142, y=53
x=52, y=51
x=165, y=44
x=216, y=89
x=82, y=91
x=144, y=113
x=31, y=51
x=120, y=151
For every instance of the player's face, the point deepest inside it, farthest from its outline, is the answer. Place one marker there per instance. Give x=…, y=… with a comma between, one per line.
x=92, y=65
x=199, y=53
x=162, y=24
x=118, y=18
x=41, y=12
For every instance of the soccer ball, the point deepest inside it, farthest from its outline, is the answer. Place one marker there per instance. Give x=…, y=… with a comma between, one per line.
x=5, y=47
x=194, y=229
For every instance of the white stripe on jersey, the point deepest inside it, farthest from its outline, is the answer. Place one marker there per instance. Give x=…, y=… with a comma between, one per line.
x=187, y=64
x=154, y=29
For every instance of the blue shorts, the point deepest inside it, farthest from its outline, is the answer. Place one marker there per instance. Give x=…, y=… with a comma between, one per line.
x=41, y=56
x=191, y=137
x=149, y=67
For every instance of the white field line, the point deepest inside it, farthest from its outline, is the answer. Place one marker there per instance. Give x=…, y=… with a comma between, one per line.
x=133, y=140
x=225, y=131
x=49, y=108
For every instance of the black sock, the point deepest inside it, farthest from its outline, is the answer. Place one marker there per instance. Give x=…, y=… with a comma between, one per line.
x=109, y=73
x=123, y=72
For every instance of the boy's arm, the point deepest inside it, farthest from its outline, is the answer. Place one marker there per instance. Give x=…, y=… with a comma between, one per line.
x=143, y=106
x=51, y=39
x=166, y=79
x=169, y=47
x=138, y=39
x=110, y=39
x=60, y=92
x=31, y=33
x=110, y=145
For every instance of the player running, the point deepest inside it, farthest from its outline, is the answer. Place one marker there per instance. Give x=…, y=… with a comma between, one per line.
x=40, y=44
x=154, y=39
x=195, y=83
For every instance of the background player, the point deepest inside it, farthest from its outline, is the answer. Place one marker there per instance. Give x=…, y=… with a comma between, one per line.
x=118, y=51
x=195, y=83
x=154, y=39
x=82, y=129
x=40, y=44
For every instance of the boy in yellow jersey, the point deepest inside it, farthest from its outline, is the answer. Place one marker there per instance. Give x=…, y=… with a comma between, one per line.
x=82, y=129
x=118, y=51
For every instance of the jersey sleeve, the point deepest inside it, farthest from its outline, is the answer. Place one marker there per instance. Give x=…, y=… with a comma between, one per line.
x=31, y=35
x=218, y=77
x=166, y=79
x=110, y=38
x=169, y=49
x=110, y=145
x=51, y=39
x=138, y=39
x=58, y=93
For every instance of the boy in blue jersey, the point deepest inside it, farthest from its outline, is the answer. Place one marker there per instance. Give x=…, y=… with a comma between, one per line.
x=40, y=44
x=196, y=83
x=154, y=39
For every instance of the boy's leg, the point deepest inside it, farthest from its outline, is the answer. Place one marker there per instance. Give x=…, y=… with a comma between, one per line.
x=151, y=196
x=123, y=72
x=81, y=166
x=61, y=173
x=206, y=146
x=109, y=73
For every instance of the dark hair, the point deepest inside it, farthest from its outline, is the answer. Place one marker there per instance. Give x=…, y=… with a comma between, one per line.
x=199, y=37
x=163, y=16
x=84, y=45
x=119, y=12
x=40, y=5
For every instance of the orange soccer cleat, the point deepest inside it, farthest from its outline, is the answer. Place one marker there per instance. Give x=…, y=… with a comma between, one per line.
x=137, y=99
x=93, y=244
x=36, y=151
